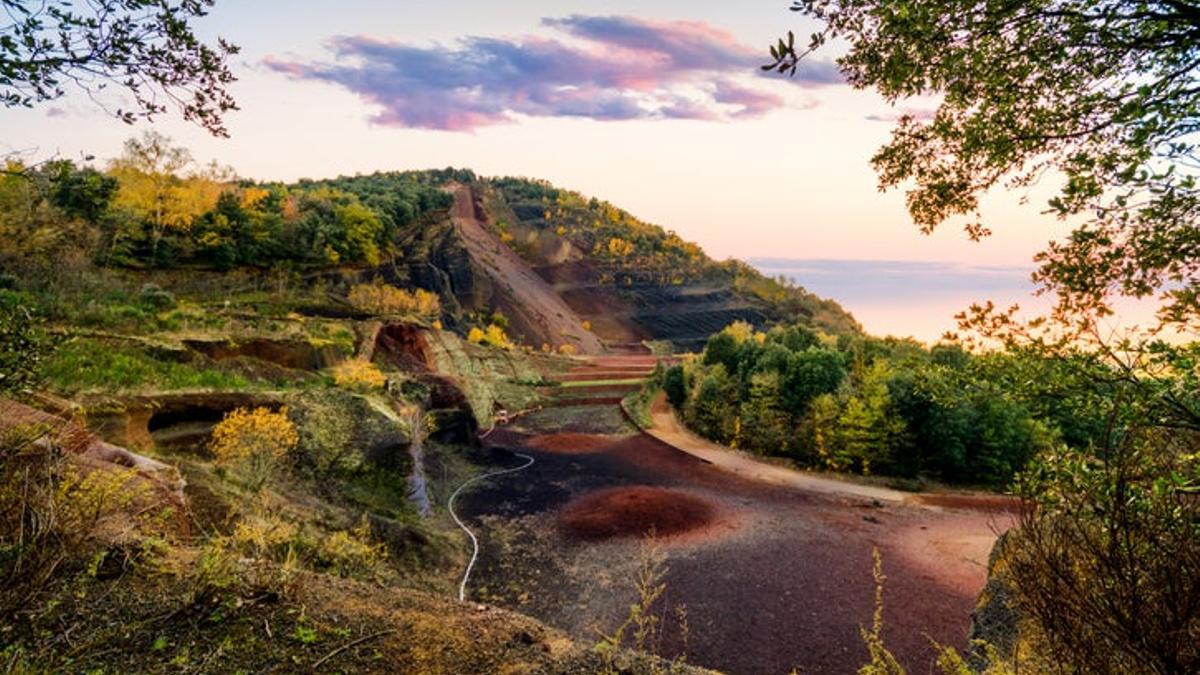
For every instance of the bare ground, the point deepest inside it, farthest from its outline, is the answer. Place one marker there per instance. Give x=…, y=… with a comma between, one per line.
x=781, y=579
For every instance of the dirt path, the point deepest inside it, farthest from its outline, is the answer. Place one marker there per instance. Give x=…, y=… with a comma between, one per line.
x=531, y=305
x=668, y=430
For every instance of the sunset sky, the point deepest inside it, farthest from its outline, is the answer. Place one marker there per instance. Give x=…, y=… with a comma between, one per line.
x=657, y=107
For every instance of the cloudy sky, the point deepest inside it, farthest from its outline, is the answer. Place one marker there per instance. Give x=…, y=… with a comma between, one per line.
x=657, y=106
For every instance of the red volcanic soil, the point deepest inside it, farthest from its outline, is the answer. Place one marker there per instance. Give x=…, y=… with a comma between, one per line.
x=569, y=443
x=634, y=512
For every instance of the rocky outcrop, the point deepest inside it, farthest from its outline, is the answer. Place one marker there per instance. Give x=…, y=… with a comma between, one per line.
x=474, y=272
x=177, y=419
x=291, y=354
x=995, y=621
x=50, y=431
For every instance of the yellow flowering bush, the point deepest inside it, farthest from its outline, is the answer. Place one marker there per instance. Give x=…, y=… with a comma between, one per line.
x=358, y=375
x=253, y=441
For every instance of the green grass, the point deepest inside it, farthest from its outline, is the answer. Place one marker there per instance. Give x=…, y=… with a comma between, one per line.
x=637, y=405
x=597, y=383
x=82, y=364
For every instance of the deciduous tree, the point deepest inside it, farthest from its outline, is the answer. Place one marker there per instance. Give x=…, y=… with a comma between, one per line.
x=148, y=49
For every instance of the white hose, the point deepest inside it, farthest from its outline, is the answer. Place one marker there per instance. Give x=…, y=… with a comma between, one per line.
x=462, y=588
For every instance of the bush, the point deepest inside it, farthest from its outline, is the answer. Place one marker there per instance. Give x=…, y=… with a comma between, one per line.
x=358, y=375
x=675, y=385
x=50, y=510
x=23, y=344
x=386, y=300
x=156, y=298
x=493, y=336
x=351, y=553
x=253, y=441
x=1107, y=562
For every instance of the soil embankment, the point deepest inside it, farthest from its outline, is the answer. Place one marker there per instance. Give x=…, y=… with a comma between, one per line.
x=534, y=309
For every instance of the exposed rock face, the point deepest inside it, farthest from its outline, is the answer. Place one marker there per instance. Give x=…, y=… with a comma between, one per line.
x=72, y=438
x=995, y=620
x=293, y=354
x=473, y=271
x=630, y=309
x=173, y=420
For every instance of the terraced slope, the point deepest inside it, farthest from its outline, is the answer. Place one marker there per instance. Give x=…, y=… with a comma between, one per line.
x=633, y=281
x=603, y=380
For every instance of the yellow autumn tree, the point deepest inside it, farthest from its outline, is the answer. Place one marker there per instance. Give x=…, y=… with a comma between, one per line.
x=359, y=375
x=493, y=336
x=387, y=300
x=252, y=441
x=154, y=188
x=619, y=248
x=496, y=337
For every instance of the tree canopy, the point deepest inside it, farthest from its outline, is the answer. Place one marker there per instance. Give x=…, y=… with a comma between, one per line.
x=146, y=48
x=1102, y=95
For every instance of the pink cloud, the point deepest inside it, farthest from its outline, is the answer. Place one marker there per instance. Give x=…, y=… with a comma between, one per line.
x=602, y=68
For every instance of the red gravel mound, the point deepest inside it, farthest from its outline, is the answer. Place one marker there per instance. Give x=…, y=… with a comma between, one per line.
x=569, y=443
x=635, y=512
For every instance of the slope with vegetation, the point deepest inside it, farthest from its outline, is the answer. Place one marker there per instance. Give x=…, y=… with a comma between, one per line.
x=634, y=281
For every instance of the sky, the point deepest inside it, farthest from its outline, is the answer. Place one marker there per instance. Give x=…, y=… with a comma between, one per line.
x=656, y=106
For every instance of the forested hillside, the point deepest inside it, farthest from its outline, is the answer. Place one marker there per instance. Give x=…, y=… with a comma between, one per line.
x=155, y=208
x=875, y=406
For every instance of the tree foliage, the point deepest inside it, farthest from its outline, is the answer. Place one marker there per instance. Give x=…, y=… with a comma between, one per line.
x=148, y=49
x=869, y=405
x=1102, y=95
x=252, y=441
x=23, y=344
x=387, y=300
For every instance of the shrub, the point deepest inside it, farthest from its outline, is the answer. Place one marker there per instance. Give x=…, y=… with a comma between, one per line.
x=265, y=536
x=387, y=300
x=675, y=385
x=352, y=553
x=253, y=441
x=493, y=336
x=496, y=337
x=155, y=297
x=50, y=510
x=23, y=344
x=1106, y=563
x=358, y=375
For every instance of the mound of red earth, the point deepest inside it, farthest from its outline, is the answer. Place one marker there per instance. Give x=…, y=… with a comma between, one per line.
x=569, y=443
x=634, y=512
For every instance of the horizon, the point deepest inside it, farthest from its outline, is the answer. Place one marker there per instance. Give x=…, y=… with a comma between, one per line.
x=331, y=71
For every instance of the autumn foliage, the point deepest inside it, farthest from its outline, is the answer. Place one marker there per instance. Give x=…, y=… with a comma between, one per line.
x=358, y=374
x=387, y=300
x=252, y=441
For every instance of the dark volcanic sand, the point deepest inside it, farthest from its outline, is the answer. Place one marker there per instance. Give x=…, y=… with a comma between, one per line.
x=781, y=581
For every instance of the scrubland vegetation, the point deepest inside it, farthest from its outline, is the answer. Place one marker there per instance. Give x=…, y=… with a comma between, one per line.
x=627, y=250
x=227, y=328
